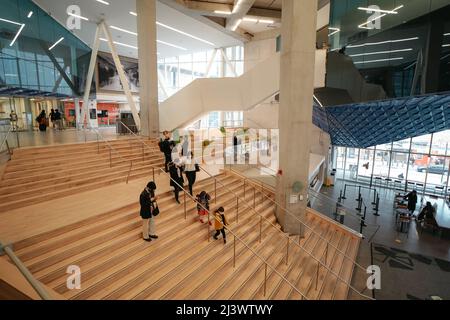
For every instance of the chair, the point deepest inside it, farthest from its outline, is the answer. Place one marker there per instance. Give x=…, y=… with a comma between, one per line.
x=429, y=224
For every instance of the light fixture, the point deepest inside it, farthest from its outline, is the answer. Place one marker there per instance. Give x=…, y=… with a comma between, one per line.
x=29, y=14
x=124, y=30
x=364, y=25
x=446, y=34
x=379, y=60
x=120, y=44
x=382, y=42
x=267, y=21
x=103, y=2
x=17, y=35
x=380, y=52
x=250, y=20
x=133, y=13
x=378, y=10
x=77, y=16
x=56, y=43
x=184, y=33
x=9, y=21
x=222, y=12
x=171, y=45
x=446, y=45
x=335, y=30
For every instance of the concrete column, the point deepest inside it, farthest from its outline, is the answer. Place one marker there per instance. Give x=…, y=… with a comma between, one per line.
x=296, y=100
x=148, y=72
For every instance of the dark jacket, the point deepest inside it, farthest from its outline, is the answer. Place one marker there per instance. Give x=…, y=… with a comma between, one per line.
x=177, y=175
x=165, y=147
x=146, y=203
x=412, y=201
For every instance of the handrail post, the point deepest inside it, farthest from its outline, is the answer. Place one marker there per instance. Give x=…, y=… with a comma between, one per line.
x=317, y=275
x=98, y=144
x=265, y=279
x=234, y=252
x=260, y=229
x=287, y=251
x=215, y=190
x=153, y=173
x=17, y=137
x=143, y=154
x=185, y=209
x=207, y=226
x=237, y=209
x=326, y=254
x=129, y=171
x=262, y=192
x=110, y=158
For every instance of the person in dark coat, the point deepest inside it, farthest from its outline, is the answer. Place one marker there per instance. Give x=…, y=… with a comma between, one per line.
x=176, y=178
x=412, y=201
x=42, y=121
x=428, y=213
x=147, y=200
x=166, y=147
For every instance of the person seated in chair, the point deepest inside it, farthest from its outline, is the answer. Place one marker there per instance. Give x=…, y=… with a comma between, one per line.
x=427, y=214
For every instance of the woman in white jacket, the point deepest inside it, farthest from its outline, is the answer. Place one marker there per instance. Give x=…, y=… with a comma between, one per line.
x=191, y=168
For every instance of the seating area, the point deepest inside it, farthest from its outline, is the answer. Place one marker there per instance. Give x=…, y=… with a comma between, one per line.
x=186, y=262
x=42, y=173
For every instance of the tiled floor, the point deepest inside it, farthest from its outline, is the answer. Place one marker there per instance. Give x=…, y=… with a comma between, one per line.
x=426, y=243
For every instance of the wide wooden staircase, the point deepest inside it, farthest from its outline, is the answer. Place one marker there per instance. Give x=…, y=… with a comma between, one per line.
x=116, y=263
x=41, y=173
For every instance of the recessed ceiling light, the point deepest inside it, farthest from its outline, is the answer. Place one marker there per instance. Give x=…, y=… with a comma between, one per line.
x=446, y=45
x=185, y=33
x=379, y=60
x=103, y=2
x=335, y=30
x=267, y=21
x=171, y=45
x=222, y=12
x=17, y=35
x=77, y=16
x=124, y=30
x=380, y=52
x=133, y=13
x=56, y=43
x=29, y=14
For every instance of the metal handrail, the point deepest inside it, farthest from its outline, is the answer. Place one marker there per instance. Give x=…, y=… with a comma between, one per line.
x=6, y=138
x=111, y=148
x=186, y=193
x=26, y=273
x=322, y=238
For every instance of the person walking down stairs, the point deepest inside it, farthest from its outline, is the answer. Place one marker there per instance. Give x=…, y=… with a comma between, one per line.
x=149, y=210
x=220, y=224
x=203, y=206
x=176, y=179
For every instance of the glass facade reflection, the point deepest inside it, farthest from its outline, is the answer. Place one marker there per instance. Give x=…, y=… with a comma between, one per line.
x=404, y=46
x=420, y=163
x=37, y=54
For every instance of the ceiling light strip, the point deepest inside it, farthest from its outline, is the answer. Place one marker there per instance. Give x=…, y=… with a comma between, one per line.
x=364, y=25
x=56, y=43
x=120, y=44
x=185, y=33
x=382, y=42
x=29, y=14
x=378, y=10
x=379, y=60
x=17, y=35
x=380, y=52
x=77, y=16
x=171, y=45
x=124, y=30
x=9, y=21
x=103, y=2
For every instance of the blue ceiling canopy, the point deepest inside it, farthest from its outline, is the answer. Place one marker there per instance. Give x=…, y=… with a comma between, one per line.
x=363, y=125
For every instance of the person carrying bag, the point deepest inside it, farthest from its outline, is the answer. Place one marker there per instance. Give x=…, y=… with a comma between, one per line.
x=149, y=210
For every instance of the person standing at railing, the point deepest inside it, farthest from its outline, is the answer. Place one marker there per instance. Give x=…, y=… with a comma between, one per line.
x=220, y=224
x=191, y=167
x=147, y=200
x=176, y=178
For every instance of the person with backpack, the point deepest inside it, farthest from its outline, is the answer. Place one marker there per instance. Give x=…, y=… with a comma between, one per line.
x=203, y=206
x=149, y=210
x=220, y=224
x=42, y=120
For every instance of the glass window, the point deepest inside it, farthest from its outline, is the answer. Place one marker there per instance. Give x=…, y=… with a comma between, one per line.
x=421, y=144
x=351, y=165
x=441, y=143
